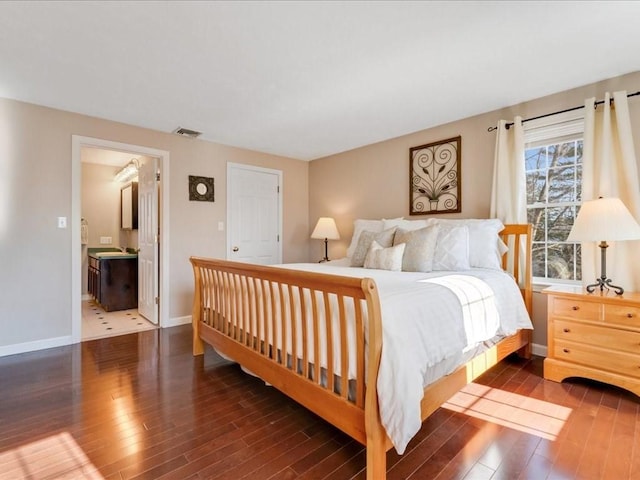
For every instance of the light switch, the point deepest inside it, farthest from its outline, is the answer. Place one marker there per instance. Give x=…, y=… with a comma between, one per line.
x=105, y=240
x=221, y=226
x=62, y=222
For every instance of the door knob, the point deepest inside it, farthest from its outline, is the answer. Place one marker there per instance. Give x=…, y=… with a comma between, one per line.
x=235, y=249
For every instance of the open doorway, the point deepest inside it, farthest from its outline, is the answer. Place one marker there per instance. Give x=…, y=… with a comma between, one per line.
x=119, y=227
x=124, y=243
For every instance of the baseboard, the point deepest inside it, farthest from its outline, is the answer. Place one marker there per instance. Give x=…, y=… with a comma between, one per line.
x=539, y=350
x=86, y=297
x=175, y=321
x=35, y=345
x=536, y=349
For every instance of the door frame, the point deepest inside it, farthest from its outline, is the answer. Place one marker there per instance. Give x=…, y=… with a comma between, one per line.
x=230, y=166
x=77, y=142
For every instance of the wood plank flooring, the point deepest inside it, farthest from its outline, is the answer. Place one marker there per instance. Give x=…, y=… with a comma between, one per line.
x=140, y=406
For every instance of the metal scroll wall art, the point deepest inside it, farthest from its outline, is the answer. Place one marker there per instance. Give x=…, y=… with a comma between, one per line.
x=201, y=189
x=434, y=175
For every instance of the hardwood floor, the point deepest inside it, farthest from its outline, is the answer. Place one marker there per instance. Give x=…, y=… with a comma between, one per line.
x=140, y=406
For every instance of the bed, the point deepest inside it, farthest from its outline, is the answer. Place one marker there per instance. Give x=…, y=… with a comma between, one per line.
x=322, y=334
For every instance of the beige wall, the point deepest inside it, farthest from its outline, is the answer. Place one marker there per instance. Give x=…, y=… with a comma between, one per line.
x=370, y=182
x=101, y=204
x=35, y=189
x=100, y=208
x=373, y=181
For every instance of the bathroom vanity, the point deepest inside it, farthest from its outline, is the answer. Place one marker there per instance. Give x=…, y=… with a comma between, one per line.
x=113, y=279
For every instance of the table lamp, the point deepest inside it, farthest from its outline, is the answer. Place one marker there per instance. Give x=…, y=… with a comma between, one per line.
x=604, y=218
x=326, y=229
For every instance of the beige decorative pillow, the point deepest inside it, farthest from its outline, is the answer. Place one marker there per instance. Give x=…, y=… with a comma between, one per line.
x=421, y=245
x=384, y=239
x=384, y=258
x=361, y=225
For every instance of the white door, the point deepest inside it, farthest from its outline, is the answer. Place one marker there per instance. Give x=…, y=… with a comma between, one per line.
x=254, y=214
x=148, y=239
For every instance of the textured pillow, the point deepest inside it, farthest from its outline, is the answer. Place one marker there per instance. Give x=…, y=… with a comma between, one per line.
x=452, y=248
x=485, y=246
x=384, y=258
x=419, y=250
x=366, y=238
x=359, y=226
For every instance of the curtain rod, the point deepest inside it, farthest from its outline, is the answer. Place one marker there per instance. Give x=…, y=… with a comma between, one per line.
x=600, y=102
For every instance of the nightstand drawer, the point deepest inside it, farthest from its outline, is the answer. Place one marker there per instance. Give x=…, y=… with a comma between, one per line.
x=604, y=337
x=593, y=335
x=622, y=315
x=568, y=307
x=617, y=362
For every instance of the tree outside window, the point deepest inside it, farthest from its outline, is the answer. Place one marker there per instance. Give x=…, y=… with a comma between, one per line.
x=554, y=195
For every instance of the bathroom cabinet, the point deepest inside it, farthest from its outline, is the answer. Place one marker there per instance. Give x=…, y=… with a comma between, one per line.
x=113, y=281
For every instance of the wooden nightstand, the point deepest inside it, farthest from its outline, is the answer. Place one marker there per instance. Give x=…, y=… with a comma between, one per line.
x=593, y=335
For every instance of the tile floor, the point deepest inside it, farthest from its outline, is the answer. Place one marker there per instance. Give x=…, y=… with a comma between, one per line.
x=96, y=323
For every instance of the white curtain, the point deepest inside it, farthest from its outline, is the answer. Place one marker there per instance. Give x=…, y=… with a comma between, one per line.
x=610, y=170
x=509, y=191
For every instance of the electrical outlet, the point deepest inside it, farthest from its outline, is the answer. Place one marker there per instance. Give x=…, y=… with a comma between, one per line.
x=105, y=240
x=62, y=222
x=221, y=226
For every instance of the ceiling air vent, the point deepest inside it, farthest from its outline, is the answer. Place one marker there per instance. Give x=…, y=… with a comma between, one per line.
x=185, y=132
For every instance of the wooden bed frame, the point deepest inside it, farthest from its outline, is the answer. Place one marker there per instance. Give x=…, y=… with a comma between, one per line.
x=235, y=309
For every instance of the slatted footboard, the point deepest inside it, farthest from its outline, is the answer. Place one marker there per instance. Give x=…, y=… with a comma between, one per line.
x=305, y=333
x=298, y=331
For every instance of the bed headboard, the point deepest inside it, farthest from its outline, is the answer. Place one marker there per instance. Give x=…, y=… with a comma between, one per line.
x=517, y=260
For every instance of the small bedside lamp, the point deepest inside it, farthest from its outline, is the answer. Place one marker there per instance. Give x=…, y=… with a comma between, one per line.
x=604, y=218
x=326, y=229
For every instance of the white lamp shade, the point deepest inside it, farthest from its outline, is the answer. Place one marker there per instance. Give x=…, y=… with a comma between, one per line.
x=326, y=228
x=604, y=219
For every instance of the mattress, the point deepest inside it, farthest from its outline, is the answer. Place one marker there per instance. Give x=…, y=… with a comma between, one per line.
x=432, y=323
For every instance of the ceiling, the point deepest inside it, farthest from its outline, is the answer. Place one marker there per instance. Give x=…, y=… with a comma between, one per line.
x=307, y=79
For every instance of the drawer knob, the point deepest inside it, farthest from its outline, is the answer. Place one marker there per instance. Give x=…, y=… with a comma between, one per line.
x=565, y=350
x=566, y=330
x=575, y=307
x=629, y=315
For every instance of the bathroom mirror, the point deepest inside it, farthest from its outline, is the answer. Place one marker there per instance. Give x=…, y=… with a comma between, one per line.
x=129, y=206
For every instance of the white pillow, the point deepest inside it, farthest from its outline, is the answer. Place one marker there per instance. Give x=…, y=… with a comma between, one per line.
x=405, y=224
x=366, y=238
x=485, y=246
x=359, y=226
x=452, y=248
x=384, y=258
x=420, y=248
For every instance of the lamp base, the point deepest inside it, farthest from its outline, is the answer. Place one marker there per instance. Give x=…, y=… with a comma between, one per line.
x=603, y=283
x=326, y=251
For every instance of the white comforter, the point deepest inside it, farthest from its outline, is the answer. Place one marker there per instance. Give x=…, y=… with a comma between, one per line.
x=428, y=318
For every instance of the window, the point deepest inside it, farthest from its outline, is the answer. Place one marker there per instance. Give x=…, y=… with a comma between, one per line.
x=553, y=165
